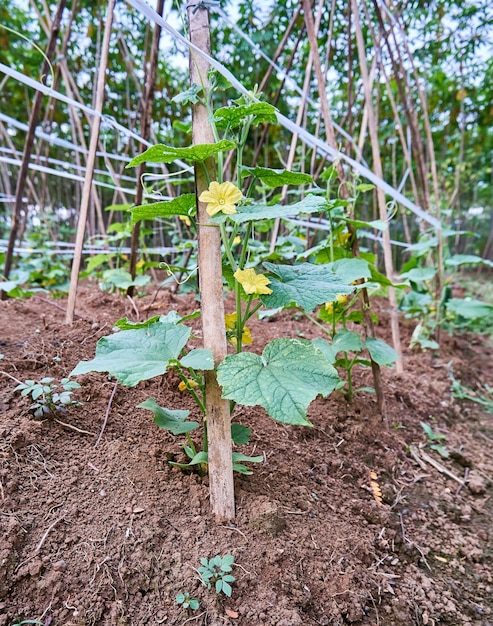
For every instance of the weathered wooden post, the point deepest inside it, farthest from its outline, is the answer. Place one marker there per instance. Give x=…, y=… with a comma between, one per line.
x=218, y=417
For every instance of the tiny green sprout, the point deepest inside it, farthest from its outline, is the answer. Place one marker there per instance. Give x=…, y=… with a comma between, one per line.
x=433, y=439
x=186, y=601
x=216, y=571
x=46, y=399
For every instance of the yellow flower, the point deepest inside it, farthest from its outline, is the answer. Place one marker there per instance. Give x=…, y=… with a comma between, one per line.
x=342, y=238
x=253, y=283
x=221, y=197
x=340, y=299
x=191, y=383
x=230, y=322
x=186, y=219
x=237, y=240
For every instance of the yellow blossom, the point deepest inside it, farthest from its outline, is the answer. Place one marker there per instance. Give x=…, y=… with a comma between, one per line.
x=186, y=219
x=340, y=299
x=230, y=322
x=342, y=238
x=221, y=197
x=253, y=283
x=191, y=383
x=237, y=240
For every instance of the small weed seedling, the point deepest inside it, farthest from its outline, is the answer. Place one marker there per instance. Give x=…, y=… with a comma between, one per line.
x=216, y=572
x=433, y=438
x=46, y=399
x=187, y=602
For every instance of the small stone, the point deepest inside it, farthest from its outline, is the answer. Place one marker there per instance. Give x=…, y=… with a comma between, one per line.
x=60, y=566
x=476, y=484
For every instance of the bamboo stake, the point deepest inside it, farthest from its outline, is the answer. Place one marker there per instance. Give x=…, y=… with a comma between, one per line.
x=299, y=118
x=211, y=291
x=145, y=125
x=378, y=169
x=29, y=142
x=434, y=178
x=91, y=158
x=332, y=141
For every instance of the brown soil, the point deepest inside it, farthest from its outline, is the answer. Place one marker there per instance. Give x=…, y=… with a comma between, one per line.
x=108, y=535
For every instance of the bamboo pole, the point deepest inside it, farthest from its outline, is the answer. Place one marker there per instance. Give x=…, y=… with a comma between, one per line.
x=344, y=191
x=91, y=159
x=29, y=142
x=145, y=125
x=299, y=118
x=218, y=417
x=378, y=169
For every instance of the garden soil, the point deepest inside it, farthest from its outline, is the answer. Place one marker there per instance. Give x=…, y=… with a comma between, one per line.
x=98, y=529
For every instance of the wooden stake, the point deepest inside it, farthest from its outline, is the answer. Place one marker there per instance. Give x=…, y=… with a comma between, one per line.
x=382, y=206
x=211, y=291
x=332, y=141
x=33, y=122
x=145, y=127
x=91, y=159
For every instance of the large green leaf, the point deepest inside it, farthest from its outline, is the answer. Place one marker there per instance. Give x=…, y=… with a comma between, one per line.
x=167, y=154
x=305, y=285
x=470, y=309
x=343, y=341
x=418, y=274
x=284, y=380
x=252, y=212
x=466, y=259
x=198, y=359
x=381, y=352
x=232, y=116
x=276, y=178
x=376, y=224
x=182, y=205
x=169, y=419
x=134, y=355
x=349, y=270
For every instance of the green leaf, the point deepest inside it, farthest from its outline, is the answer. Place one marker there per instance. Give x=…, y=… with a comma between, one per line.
x=470, y=309
x=284, y=380
x=135, y=355
x=466, y=259
x=182, y=205
x=126, y=324
x=276, y=178
x=190, y=96
x=199, y=458
x=364, y=187
x=118, y=207
x=198, y=359
x=240, y=434
x=343, y=341
x=243, y=469
x=376, y=224
x=252, y=212
x=169, y=419
x=305, y=285
x=232, y=116
x=419, y=274
x=381, y=352
x=430, y=433
x=349, y=270
x=167, y=154
x=97, y=260
x=121, y=279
